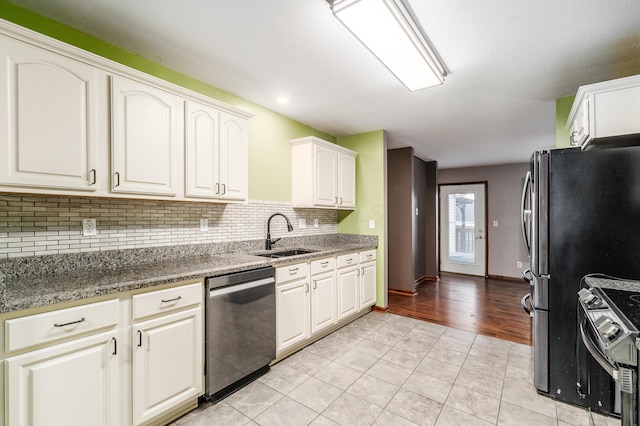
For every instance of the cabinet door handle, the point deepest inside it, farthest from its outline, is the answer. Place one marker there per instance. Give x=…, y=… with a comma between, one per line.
x=358, y=272
x=336, y=200
x=92, y=172
x=117, y=176
x=340, y=200
x=115, y=346
x=306, y=287
x=315, y=284
x=224, y=189
x=175, y=299
x=363, y=270
x=69, y=323
x=139, y=338
x=217, y=189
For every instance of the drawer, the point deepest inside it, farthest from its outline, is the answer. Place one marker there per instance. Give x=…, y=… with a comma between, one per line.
x=48, y=327
x=323, y=265
x=171, y=299
x=350, y=259
x=367, y=256
x=291, y=272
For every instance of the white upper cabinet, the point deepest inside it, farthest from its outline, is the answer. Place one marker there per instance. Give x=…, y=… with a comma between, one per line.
x=48, y=119
x=323, y=174
x=144, y=138
x=603, y=112
x=216, y=150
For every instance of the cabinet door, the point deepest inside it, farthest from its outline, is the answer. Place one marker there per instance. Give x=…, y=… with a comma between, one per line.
x=48, y=119
x=292, y=308
x=346, y=181
x=326, y=172
x=323, y=301
x=233, y=157
x=144, y=138
x=368, y=284
x=168, y=366
x=348, y=282
x=202, y=126
x=73, y=383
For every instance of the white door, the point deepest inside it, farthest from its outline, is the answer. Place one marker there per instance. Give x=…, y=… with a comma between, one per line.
x=168, y=363
x=144, y=138
x=73, y=383
x=48, y=119
x=462, y=229
x=201, y=127
x=326, y=173
x=233, y=157
x=346, y=181
x=368, y=284
x=323, y=301
x=292, y=310
x=348, y=282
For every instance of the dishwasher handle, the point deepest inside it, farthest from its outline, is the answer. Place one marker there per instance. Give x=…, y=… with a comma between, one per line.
x=239, y=287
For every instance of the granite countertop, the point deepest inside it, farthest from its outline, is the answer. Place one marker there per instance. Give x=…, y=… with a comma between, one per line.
x=48, y=284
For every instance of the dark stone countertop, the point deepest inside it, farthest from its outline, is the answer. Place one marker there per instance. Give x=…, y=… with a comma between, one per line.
x=52, y=283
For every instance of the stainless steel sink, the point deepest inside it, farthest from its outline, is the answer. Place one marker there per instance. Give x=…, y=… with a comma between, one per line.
x=285, y=253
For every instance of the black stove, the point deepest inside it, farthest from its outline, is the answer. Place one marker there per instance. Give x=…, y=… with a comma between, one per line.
x=626, y=303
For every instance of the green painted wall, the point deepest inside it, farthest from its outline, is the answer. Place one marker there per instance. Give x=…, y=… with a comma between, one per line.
x=563, y=107
x=269, y=132
x=370, y=195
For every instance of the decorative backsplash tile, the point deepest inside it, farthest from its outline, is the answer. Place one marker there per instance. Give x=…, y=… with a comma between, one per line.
x=34, y=225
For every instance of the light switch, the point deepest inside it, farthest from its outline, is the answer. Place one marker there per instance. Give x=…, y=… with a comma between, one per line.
x=372, y=224
x=302, y=223
x=204, y=225
x=495, y=223
x=315, y=223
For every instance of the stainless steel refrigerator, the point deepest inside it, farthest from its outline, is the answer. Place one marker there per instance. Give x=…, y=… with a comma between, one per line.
x=580, y=215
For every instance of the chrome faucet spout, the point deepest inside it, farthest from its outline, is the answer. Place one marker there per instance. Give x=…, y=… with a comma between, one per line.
x=269, y=242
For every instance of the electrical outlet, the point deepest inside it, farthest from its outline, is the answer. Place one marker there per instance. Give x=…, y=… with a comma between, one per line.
x=302, y=223
x=372, y=223
x=89, y=228
x=204, y=225
x=495, y=223
x=518, y=264
x=315, y=223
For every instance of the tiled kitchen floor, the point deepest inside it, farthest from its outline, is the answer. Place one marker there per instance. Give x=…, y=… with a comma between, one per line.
x=385, y=369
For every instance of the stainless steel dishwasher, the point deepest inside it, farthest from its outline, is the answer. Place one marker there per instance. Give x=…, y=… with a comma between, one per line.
x=240, y=329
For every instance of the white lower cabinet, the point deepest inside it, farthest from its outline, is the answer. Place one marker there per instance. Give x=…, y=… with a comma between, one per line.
x=72, y=383
x=367, y=278
x=292, y=305
x=167, y=363
x=348, y=285
x=323, y=294
x=72, y=366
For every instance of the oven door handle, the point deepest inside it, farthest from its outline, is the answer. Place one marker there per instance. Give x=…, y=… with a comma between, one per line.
x=525, y=306
x=596, y=353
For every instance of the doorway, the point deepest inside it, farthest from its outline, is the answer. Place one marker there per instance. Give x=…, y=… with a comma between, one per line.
x=463, y=239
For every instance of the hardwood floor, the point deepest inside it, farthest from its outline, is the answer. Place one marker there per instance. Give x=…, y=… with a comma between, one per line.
x=480, y=305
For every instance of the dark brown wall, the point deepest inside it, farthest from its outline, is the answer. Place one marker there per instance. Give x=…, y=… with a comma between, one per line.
x=432, y=263
x=400, y=218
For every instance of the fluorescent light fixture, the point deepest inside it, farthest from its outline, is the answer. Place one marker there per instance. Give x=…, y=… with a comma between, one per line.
x=389, y=31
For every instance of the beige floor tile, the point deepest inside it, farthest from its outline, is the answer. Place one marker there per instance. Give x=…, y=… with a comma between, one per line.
x=423, y=336
x=359, y=361
x=373, y=348
x=315, y=394
x=459, y=334
x=572, y=415
x=220, y=412
x=384, y=336
x=323, y=421
x=403, y=358
x=430, y=327
x=438, y=369
x=478, y=382
x=306, y=362
x=513, y=415
x=486, y=366
x=452, y=417
x=387, y=418
x=373, y=390
x=414, y=407
x=349, y=410
x=453, y=343
x=390, y=372
x=338, y=375
x=286, y=412
x=283, y=378
x=447, y=355
x=523, y=394
x=415, y=346
x=474, y=403
x=428, y=386
x=253, y=399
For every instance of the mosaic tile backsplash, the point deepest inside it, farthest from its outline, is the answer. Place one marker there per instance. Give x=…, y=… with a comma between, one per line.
x=34, y=225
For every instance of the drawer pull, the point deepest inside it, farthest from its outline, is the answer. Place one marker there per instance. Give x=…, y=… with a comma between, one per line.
x=315, y=284
x=349, y=260
x=369, y=256
x=92, y=172
x=70, y=323
x=293, y=270
x=117, y=176
x=115, y=346
x=139, y=338
x=175, y=299
x=323, y=264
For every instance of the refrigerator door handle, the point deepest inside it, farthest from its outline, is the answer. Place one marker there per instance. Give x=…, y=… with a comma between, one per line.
x=525, y=306
x=527, y=276
x=526, y=214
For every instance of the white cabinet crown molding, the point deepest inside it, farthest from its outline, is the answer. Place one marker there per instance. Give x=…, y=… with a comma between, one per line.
x=323, y=142
x=40, y=40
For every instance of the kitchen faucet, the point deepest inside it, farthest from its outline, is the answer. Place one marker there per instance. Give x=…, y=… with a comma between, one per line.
x=269, y=242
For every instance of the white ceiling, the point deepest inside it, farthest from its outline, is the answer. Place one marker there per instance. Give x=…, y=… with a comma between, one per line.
x=508, y=61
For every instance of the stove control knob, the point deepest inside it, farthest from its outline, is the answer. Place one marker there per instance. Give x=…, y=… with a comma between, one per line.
x=588, y=298
x=607, y=328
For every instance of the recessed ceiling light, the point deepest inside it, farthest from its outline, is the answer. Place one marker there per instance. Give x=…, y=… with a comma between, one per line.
x=282, y=100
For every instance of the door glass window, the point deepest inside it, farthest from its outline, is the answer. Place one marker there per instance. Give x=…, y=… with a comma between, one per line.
x=462, y=241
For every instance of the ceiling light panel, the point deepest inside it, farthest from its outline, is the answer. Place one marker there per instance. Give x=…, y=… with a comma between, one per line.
x=387, y=29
